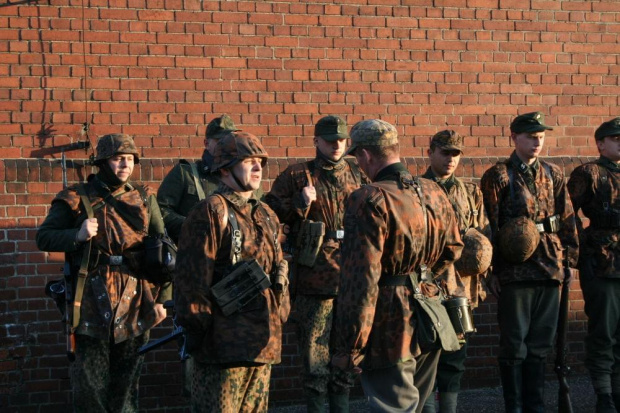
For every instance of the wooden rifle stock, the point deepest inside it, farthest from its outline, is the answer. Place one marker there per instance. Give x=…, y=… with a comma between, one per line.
x=561, y=369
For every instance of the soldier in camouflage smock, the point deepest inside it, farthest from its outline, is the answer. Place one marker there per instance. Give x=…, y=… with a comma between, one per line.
x=466, y=198
x=232, y=353
x=318, y=190
x=595, y=189
x=400, y=234
x=178, y=192
x=119, y=305
x=528, y=294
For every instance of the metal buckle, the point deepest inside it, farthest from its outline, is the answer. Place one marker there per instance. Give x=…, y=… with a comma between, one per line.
x=116, y=259
x=339, y=233
x=540, y=227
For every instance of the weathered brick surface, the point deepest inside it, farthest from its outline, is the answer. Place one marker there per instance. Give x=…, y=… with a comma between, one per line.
x=160, y=70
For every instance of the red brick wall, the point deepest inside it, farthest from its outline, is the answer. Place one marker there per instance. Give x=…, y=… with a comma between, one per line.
x=160, y=69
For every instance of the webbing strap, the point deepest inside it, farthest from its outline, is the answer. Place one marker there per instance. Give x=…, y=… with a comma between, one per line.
x=199, y=189
x=83, y=271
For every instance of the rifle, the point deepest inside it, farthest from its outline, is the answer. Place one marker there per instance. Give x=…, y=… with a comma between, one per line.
x=66, y=270
x=561, y=368
x=178, y=332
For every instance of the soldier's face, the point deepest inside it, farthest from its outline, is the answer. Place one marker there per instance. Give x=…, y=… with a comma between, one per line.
x=210, y=144
x=444, y=161
x=528, y=144
x=122, y=166
x=331, y=150
x=609, y=147
x=249, y=173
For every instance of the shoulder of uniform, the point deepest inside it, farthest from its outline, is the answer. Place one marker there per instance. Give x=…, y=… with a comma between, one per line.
x=555, y=170
x=145, y=187
x=498, y=173
x=371, y=193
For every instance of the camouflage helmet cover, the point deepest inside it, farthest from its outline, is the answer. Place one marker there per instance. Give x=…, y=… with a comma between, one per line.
x=235, y=146
x=518, y=239
x=477, y=254
x=115, y=143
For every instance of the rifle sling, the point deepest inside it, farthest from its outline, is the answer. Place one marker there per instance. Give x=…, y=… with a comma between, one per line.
x=83, y=271
x=199, y=189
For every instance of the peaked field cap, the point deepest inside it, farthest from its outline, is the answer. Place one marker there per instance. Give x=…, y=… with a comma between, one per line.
x=372, y=132
x=609, y=128
x=220, y=126
x=448, y=139
x=331, y=128
x=529, y=122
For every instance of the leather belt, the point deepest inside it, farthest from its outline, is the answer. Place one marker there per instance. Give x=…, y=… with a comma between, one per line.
x=337, y=234
x=113, y=260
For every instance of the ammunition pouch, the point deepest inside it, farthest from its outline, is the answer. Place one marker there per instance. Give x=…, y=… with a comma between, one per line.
x=309, y=241
x=55, y=289
x=243, y=284
x=160, y=255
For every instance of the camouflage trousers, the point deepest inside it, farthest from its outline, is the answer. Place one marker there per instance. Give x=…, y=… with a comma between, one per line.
x=229, y=390
x=104, y=375
x=314, y=316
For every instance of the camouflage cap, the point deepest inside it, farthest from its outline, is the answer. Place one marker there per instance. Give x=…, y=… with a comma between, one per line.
x=529, y=122
x=115, y=143
x=235, y=146
x=331, y=128
x=218, y=127
x=372, y=132
x=609, y=128
x=447, y=139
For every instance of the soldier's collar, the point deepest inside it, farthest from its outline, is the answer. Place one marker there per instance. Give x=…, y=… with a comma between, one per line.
x=522, y=166
x=608, y=163
x=446, y=183
x=234, y=197
x=391, y=172
x=322, y=162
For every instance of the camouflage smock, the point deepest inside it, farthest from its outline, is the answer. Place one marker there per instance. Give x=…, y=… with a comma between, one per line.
x=253, y=334
x=386, y=237
x=333, y=184
x=177, y=194
x=596, y=193
x=551, y=198
x=115, y=298
x=466, y=200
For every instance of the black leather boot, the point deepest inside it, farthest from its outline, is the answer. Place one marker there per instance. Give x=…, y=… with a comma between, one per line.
x=534, y=386
x=315, y=401
x=512, y=381
x=605, y=403
x=339, y=403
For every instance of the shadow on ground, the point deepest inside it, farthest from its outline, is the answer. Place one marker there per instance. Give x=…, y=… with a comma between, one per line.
x=490, y=400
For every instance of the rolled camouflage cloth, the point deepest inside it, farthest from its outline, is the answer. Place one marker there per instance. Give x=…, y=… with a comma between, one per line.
x=372, y=132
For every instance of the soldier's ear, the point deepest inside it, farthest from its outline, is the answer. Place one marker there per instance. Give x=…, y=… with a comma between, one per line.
x=316, y=141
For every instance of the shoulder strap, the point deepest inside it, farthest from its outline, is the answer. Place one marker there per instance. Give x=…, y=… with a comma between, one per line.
x=603, y=178
x=199, y=189
x=83, y=271
x=355, y=169
x=230, y=217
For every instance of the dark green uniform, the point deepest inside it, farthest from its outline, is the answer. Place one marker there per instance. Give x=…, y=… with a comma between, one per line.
x=177, y=193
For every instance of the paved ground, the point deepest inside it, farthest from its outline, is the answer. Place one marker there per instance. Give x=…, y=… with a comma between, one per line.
x=489, y=400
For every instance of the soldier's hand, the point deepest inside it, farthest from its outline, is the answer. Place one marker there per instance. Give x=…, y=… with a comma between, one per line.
x=160, y=310
x=308, y=194
x=494, y=286
x=88, y=230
